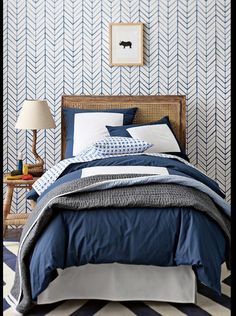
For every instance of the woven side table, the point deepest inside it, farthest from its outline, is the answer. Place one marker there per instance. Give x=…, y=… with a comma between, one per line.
x=14, y=218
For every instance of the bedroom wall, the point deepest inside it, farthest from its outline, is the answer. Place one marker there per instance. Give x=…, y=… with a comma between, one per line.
x=60, y=47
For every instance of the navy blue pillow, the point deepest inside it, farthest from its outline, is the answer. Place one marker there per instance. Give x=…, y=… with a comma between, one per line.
x=122, y=130
x=68, y=115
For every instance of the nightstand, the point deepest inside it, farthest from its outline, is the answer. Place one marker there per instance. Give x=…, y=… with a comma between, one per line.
x=14, y=218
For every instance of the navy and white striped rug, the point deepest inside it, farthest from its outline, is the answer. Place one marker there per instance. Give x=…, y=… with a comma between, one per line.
x=208, y=302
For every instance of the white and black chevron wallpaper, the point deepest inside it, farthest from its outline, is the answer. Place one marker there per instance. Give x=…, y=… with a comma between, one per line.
x=56, y=47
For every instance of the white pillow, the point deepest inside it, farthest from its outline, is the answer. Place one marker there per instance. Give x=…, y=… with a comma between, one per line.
x=90, y=127
x=121, y=145
x=160, y=136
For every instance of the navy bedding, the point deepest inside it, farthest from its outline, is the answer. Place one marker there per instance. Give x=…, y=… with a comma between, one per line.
x=174, y=167
x=149, y=236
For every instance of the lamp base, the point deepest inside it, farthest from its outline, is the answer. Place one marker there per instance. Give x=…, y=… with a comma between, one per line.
x=36, y=171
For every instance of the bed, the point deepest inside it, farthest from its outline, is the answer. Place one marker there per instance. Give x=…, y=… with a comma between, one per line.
x=150, y=214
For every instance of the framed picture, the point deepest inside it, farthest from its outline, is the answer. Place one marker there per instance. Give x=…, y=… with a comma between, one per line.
x=126, y=44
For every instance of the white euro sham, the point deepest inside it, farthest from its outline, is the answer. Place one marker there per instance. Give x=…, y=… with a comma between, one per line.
x=160, y=136
x=91, y=127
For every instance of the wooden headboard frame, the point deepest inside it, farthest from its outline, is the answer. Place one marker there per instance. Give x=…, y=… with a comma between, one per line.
x=150, y=108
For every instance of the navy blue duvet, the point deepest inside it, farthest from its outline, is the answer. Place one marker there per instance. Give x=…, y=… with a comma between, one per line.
x=148, y=236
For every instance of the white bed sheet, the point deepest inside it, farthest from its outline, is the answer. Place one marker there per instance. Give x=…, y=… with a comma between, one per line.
x=99, y=170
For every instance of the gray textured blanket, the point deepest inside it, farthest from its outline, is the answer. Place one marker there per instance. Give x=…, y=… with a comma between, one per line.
x=82, y=194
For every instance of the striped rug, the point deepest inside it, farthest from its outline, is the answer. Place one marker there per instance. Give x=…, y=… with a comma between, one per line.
x=208, y=302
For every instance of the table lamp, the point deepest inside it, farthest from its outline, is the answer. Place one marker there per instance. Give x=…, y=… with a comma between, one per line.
x=35, y=114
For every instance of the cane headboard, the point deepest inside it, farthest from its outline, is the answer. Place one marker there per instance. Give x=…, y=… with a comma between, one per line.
x=150, y=108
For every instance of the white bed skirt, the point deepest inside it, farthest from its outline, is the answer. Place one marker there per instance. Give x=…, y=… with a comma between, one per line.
x=122, y=282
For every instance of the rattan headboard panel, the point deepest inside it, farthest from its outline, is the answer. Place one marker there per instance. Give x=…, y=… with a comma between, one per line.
x=150, y=108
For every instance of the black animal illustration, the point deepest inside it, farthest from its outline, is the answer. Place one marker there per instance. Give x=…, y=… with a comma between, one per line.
x=124, y=44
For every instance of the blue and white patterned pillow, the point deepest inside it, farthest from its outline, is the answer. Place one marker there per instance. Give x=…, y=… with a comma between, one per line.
x=120, y=145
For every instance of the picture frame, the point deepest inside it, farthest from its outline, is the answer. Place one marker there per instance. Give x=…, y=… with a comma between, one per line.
x=126, y=44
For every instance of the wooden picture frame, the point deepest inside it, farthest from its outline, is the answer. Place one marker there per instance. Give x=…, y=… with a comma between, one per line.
x=126, y=44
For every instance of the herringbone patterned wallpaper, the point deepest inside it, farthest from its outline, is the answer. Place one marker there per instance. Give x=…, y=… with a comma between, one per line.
x=60, y=47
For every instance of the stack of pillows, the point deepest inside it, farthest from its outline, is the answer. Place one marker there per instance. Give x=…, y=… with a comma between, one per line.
x=110, y=131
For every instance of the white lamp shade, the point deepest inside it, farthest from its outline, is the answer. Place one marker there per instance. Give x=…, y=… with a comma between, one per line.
x=35, y=114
